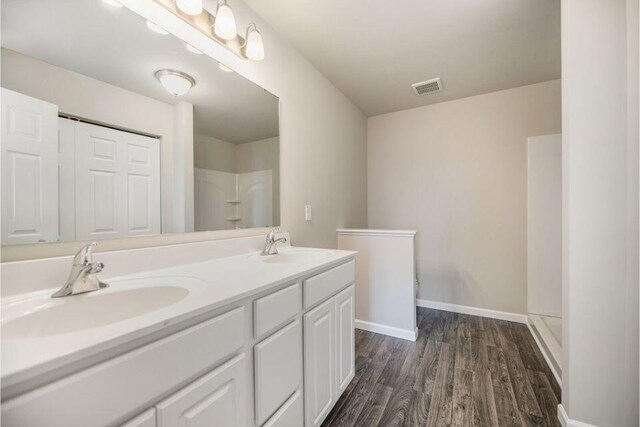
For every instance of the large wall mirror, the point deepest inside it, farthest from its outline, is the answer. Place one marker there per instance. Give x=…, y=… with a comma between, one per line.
x=113, y=128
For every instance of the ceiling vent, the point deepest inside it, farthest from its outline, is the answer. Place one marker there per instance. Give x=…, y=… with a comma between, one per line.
x=430, y=86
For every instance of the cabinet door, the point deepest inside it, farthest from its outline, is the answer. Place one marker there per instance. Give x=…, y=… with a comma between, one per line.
x=217, y=399
x=278, y=370
x=345, y=338
x=319, y=362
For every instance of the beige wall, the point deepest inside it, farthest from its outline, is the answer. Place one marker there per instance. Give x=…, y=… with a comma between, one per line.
x=214, y=154
x=457, y=173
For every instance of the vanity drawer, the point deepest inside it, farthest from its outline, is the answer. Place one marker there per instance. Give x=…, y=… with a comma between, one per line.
x=127, y=383
x=325, y=284
x=275, y=309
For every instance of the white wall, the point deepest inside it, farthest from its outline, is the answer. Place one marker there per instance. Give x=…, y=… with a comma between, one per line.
x=544, y=225
x=457, y=172
x=600, y=211
x=78, y=95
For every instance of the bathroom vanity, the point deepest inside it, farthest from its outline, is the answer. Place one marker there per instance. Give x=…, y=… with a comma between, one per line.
x=245, y=340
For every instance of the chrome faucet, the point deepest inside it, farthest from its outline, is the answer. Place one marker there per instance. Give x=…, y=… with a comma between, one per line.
x=270, y=243
x=84, y=274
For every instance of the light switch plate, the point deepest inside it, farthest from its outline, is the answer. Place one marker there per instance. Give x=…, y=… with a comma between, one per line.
x=307, y=212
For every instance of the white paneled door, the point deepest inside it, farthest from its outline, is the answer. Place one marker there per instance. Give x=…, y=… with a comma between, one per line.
x=30, y=169
x=117, y=176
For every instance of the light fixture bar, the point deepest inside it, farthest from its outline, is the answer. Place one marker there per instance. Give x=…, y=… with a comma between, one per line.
x=205, y=23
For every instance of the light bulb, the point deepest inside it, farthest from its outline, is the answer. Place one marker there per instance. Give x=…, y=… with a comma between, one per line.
x=175, y=82
x=156, y=28
x=225, y=24
x=254, y=47
x=193, y=50
x=190, y=7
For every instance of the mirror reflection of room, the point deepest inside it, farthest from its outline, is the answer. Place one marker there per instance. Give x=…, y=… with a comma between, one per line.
x=114, y=128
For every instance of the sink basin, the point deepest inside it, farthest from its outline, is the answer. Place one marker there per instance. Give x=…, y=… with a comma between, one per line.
x=124, y=300
x=293, y=256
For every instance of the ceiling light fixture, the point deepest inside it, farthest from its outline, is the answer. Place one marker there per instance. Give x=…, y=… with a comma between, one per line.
x=225, y=68
x=225, y=23
x=253, y=46
x=175, y=82
x=193, y=49
x=112, y=3
x=190, y=7
x=156, y=28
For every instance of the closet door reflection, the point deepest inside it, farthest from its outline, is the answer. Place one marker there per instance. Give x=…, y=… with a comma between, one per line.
x=117, y=183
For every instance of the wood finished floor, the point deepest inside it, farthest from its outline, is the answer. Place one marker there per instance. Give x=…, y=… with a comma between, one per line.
x=462, y=371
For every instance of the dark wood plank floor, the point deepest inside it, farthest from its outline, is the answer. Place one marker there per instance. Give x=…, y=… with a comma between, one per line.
x=462, y=371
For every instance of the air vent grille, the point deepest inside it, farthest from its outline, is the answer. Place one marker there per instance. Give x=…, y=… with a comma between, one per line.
x=430, y=86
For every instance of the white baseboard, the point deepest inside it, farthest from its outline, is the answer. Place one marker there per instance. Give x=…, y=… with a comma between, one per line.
x=568, y=422
x=547, y=357
x=386, y=330
x=474, y=311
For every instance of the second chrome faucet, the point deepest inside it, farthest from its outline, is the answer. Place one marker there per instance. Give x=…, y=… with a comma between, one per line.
x=270, y=243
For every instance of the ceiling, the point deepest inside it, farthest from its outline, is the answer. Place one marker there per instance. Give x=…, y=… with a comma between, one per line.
x=373, y=50
x=115, y=46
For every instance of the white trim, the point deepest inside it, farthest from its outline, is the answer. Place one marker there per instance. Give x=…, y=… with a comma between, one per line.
x=474, y=311
x=544, y=351
x=568, y=422
x=386, y=330
x=366, y=232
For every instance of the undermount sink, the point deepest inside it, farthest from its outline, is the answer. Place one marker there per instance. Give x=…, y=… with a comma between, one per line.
x=125, y=299
x=296, y=256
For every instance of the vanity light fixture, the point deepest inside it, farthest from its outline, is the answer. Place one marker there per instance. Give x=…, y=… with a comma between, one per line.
x=193, y=49
x=225, y=23
x=176, y=83
x=219, y=27
x=156, y=28
x=225, y=68
x=190, y=7
x=253, y=46
x=112, y=3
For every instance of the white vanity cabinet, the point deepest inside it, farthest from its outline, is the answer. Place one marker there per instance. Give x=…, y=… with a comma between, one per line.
x=329, y=346
x=319, y=362
x=278, y=358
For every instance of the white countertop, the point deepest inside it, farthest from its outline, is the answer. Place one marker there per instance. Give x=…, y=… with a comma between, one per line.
x=211, y=285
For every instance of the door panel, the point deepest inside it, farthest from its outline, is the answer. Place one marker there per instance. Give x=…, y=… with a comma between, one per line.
x=345, y=338
x=319, y=366
x=30, y=169
x=278, y=370
x=117, y=183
